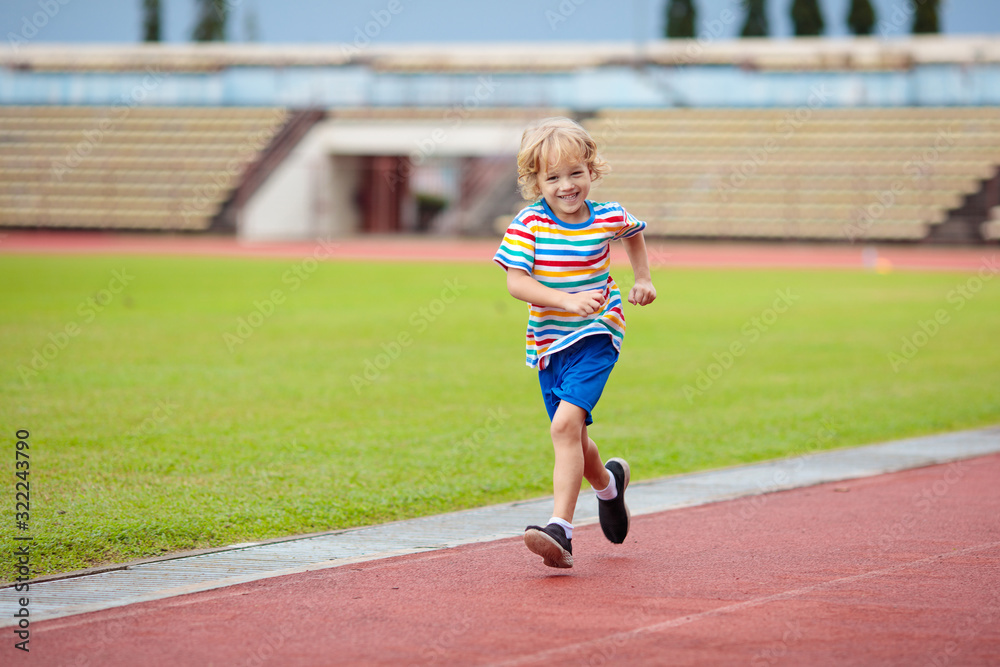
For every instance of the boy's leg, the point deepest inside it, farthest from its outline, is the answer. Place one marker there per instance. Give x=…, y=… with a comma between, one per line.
x=593, y=469
x=577, y=457
x=568, y=431
x=582, y=375
x=613, y=511
x=554, y=541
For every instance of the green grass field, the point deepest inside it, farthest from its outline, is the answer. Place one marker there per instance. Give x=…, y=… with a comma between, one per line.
x=357, y=393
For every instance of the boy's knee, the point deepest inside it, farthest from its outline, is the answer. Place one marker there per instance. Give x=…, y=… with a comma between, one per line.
x=567, y=425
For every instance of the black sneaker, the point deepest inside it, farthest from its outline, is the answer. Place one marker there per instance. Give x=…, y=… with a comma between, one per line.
x=551, y=544
x=614, y=514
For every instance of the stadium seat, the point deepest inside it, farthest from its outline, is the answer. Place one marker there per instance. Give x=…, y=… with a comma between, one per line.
x=796, y=173
x=118, y=168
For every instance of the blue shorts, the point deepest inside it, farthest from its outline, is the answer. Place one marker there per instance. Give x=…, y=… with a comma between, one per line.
x=578, y=374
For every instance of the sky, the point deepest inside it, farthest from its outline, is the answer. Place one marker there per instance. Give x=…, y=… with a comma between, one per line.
x=402, y=21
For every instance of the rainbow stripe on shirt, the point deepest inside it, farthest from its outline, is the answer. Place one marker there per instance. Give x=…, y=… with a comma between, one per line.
x=572, y=258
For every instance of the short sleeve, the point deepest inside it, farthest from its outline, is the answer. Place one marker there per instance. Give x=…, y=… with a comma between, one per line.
x=630, y=226
x=517, y=250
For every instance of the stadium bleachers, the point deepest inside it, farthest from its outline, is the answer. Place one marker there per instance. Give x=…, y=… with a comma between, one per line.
x=165, y=168
x=844, y=174
x=833, y=174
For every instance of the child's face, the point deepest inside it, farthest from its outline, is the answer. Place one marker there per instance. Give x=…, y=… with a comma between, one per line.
x=565, y=187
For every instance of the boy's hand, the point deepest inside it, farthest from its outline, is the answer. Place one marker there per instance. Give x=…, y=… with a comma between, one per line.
x=642, y=293
x=584, y=303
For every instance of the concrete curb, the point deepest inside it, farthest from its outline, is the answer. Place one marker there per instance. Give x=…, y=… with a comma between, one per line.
x=157, y=579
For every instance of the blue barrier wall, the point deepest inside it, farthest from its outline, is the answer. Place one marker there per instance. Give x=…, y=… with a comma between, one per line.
x=581, y=90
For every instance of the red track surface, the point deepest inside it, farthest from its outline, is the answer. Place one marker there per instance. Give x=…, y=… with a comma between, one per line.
x=900, y=569
x=791, y=255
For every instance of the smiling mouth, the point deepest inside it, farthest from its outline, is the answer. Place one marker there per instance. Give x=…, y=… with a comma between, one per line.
x=570, y=198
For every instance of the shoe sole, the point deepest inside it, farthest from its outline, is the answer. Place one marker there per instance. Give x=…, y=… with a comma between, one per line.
x=628, y=475
x=543, y=544
x=624, y=466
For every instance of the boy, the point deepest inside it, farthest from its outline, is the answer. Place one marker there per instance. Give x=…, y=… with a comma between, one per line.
x=557, y=256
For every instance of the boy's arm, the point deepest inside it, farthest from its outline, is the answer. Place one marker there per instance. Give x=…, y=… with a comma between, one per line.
x=522, y=286
x=642, y=292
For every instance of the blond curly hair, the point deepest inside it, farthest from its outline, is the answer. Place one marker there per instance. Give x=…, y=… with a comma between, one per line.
x=551, y=142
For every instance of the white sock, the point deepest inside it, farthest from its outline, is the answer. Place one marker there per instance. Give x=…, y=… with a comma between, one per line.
x=566, y=525
x=610, y=492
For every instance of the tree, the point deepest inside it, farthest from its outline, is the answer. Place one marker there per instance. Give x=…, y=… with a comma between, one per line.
x=151, y=20
x=211, y=26
x=861, y=17
x=756, y=21
x=807, y=18
x=681, y=18
x=925, y=18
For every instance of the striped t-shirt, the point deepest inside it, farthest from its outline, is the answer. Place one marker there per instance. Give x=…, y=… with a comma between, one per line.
x=572, y=258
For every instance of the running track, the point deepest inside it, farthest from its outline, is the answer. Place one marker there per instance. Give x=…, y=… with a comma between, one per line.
x=428, y=248
x=897, y=569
